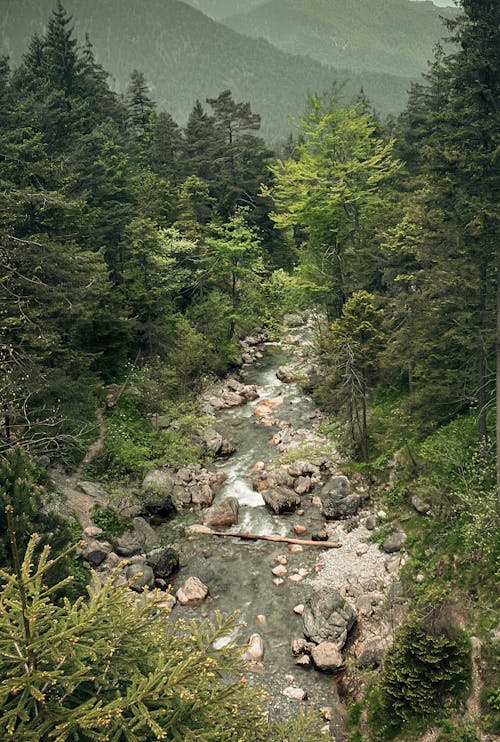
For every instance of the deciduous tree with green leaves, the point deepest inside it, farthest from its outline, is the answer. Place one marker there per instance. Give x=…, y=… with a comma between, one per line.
x=330, y=196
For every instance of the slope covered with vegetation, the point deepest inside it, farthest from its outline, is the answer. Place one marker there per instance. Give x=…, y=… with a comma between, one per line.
x=132, y=249
x=396, y=37
x=187, y=56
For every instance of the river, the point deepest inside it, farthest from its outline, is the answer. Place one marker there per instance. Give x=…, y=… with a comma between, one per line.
x=239, y=573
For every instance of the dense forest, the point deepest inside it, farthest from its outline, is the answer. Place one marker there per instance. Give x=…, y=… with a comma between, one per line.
x=185, y=55
x=135, y=253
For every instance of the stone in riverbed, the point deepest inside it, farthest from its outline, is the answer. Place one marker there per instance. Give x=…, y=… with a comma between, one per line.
x=141, y=576
x=281, y=500
x=328, y=618
x=394, y=542
x=95, y=552
x=193, y=590
x=337, y=500
x=223, y=513
x=326, y=656
x=301, y=646
x=303, y=661
x=287, y=374
x=302, y=485
x=295, y=694
x=299, y=530
x=164, y=561
x=279, y=571
x=254, y=650
x=265, y=407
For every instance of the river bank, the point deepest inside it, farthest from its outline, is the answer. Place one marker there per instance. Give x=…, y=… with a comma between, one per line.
x=279, y=451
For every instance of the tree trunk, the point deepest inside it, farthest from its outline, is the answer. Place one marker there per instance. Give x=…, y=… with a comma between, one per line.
x=481, y=361
x=364, y=424
x=277, y=539
x=498, y=384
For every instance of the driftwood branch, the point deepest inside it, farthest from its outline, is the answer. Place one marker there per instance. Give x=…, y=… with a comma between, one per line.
x=280, y=539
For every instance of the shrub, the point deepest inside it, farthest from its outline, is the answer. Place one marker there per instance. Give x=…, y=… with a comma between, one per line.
x=426, y=669
x=112, y=523
x=108, y=668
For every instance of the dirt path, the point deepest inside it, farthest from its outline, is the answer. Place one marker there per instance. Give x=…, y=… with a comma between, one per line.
x=78, y=502
x=96, y=446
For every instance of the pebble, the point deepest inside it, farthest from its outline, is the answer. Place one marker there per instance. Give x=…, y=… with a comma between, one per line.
x=295, y=548
x=295, y=578
x=362, y=549
x=279, y=571
x=278, y=581
x=260, y=619
x=295, y=694
x=303, y=661
x=299, y=530
x=282, y=559
x=299, y=609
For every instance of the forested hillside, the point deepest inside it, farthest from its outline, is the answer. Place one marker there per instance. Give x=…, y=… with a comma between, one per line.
x=220, y=9
x=136, y=252
x=396, y=37
x=186, y=56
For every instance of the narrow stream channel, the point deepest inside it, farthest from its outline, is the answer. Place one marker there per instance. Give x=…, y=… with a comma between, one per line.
x=238, y=573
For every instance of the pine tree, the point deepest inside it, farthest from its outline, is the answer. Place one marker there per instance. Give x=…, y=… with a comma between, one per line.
x=139, y=107
x=109, y=667
x=166, y=147
x=60, y=57
x=350, y=352
x=241, y=157
x=201, y=145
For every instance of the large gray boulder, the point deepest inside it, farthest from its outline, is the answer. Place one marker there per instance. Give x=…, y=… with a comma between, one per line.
x=95, y=552
x=223, y=513
x=336, y=499
x=394, y=542
x=328, y=618
x=164, y=561
x=281, y=500
x=140, y=575
x=157, y=489
x=141, y=537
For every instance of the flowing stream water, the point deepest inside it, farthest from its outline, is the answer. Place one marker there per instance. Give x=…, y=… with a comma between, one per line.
x=238, y=573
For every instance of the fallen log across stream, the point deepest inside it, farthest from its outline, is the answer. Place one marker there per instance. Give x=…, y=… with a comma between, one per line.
x=280, y=539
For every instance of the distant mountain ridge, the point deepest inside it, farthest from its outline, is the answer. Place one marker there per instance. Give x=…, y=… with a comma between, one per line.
x=220, y=9
x=387, y=36
x=185, y=55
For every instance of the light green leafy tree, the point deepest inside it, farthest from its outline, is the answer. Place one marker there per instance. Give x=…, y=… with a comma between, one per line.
x=234, y=264
x=329, y=197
